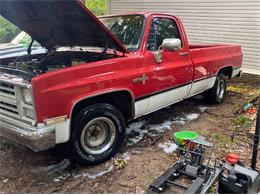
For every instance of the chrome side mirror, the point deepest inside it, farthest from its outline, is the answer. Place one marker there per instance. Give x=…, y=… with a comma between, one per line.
x=171, y=44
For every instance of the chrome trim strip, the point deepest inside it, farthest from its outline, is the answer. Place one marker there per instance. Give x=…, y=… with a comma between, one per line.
x=26, y=85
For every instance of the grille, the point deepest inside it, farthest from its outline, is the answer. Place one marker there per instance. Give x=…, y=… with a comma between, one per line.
x=9, y=107
x=12, y=105
x=7, y=90
x=8, y=102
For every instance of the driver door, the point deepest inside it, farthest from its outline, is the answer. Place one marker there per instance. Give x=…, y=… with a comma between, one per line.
x=172, y=73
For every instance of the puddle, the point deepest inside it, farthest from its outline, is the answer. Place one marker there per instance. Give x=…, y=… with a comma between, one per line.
x=168, y=147
x=202, y=108
x=137, y=130
x=95, y=175
x=53, y=169
x=191, y=117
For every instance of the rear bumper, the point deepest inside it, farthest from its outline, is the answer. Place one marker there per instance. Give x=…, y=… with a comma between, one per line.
x=38, y=139
x=237, y=72
x=240, y=74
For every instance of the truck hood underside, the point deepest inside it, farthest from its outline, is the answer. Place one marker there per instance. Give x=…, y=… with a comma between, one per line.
x=57, y=23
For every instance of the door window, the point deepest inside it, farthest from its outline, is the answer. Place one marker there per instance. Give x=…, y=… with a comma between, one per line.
x=161, y=28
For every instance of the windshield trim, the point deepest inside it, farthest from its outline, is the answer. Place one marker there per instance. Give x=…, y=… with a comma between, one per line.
x=143, y=28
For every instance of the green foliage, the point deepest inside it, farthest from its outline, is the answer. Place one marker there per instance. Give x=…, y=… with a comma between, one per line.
x=220, y=137
x=26, y=41
x=7, y=31
x=98, y=7
x=243, y=121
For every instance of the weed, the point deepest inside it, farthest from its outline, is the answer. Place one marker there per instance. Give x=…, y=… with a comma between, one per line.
x=210, y=120
x=243, y=121
x=212, y=190
x=222, y=138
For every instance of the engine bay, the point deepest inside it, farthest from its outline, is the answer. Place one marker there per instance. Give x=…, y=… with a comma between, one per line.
x=29, y=66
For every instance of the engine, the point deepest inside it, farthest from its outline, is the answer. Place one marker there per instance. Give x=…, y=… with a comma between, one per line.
x=33, y=66
x=29, y=66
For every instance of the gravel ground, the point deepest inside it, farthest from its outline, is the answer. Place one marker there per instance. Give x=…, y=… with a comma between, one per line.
x=148, y=151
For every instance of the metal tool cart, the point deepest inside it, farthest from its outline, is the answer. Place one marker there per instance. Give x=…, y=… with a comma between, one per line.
x=196, y=168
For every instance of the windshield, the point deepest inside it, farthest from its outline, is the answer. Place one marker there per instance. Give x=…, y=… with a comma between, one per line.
x=23, y=39
x=128, y=29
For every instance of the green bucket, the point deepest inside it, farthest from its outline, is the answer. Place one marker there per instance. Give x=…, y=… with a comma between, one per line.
x=182, y=137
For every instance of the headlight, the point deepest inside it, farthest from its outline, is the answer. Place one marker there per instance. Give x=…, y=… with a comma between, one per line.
x=27, y=96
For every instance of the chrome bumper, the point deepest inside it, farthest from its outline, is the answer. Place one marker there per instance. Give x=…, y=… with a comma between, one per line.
x=37, y=139
x=240, y=74
x=237, y=72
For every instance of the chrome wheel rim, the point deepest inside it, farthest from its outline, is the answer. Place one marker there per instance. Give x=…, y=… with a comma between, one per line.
x=221, y=90
x=98, y=135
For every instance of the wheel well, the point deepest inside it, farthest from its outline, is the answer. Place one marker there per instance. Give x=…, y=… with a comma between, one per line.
x=227, y=71
x=122, y=100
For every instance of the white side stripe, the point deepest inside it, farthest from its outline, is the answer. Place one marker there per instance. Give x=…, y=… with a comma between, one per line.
x=167, y=98
x=201, y=86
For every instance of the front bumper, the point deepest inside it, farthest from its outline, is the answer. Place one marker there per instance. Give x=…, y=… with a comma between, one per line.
x=37, y=139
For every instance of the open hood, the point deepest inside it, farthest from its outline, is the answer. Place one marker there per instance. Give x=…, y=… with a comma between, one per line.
x=59, y=23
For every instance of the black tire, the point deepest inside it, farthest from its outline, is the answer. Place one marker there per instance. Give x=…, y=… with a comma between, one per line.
x=99, y=117
x=216, y=95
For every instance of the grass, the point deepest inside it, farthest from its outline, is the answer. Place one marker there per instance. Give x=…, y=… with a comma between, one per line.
x=243, y=88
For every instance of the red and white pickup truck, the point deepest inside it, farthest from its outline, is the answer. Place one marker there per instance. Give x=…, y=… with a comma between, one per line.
x=99, y=73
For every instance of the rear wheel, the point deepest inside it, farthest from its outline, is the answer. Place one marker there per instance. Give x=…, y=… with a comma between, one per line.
x=217, y=94
x=98, y=132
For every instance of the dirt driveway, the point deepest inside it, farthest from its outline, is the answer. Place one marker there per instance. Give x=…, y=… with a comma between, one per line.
x=148, y=152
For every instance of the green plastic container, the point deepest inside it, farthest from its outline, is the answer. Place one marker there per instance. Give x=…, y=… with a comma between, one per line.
x=182, y=137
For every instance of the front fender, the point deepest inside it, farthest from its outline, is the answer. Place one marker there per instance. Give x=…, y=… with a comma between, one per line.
x=95, y=94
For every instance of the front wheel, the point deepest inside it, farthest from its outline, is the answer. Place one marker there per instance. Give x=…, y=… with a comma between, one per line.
x=217, y=94
x=98, y=132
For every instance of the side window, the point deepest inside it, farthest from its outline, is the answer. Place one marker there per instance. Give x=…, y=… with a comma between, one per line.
x=162, y=28
x=151, y=44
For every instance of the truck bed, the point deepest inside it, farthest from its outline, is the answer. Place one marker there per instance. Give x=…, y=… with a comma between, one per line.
x=212, y=57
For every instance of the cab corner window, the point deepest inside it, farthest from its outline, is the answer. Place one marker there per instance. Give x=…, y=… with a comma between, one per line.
x=161, y=28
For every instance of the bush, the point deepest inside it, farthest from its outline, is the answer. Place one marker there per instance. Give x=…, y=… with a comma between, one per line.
x=7, y=31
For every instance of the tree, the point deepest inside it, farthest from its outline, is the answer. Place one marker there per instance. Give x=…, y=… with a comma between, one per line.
x=7, y=31
x=98, y=7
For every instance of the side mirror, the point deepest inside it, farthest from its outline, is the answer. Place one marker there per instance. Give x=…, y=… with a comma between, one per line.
x=171, y=44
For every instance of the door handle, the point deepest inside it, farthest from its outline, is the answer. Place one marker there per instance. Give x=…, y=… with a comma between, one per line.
x=184, y=53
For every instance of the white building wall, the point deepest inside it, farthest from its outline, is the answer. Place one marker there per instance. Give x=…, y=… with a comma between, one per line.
x=208, y=21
